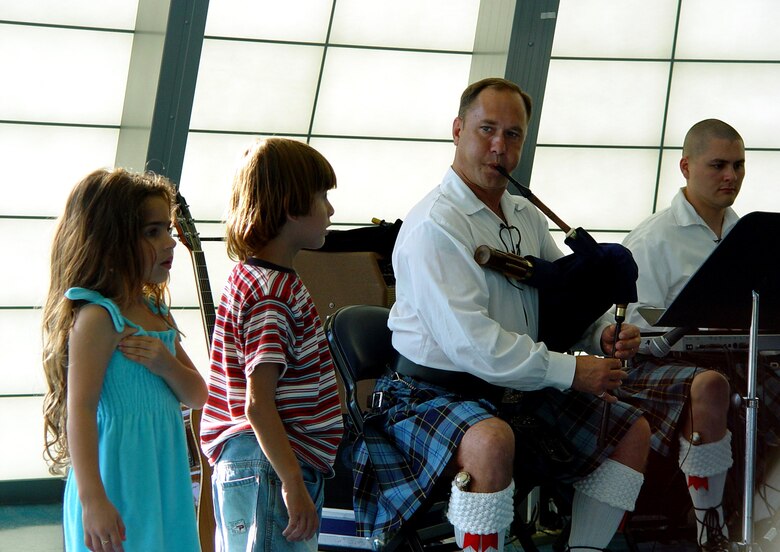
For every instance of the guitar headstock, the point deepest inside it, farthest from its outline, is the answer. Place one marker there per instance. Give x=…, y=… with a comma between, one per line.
x=185, y=225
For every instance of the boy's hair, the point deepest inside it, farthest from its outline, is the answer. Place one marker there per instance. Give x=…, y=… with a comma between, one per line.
x=277, y=177
x=99, y=245
x=473, y=90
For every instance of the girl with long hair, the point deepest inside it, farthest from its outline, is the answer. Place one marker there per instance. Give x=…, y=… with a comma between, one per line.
x=116, y=371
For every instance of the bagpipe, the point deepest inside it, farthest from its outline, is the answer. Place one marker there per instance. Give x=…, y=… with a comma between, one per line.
x=575, y=290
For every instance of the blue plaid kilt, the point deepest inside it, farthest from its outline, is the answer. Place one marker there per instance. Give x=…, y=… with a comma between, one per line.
x=660, y=387
x=406, y=447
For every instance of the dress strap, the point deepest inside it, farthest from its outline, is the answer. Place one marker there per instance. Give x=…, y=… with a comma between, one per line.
x=83, y=294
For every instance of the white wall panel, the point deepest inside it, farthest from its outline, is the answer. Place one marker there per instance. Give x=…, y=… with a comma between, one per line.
x=389, y=93
x=256, y=87
x=744, y=95
x=74, y=151
x=604, y=103
x=26, y=245
x=603, y=188
x=21, y=423
x=381, y=178
x=21, y=371
x=113, y=14
x=290, y=20
x=604, y=28
x=63, y=75
x=433, y=24
x=722, y=29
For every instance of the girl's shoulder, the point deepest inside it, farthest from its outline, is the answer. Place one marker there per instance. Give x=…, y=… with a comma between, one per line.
x=95, y=298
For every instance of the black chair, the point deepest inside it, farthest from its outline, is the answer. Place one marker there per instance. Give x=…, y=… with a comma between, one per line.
x=360, y=342
x=361, y=346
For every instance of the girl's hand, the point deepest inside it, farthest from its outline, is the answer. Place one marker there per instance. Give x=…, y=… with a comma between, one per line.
x=104, y=530
x=303, y=522
x=149, y=351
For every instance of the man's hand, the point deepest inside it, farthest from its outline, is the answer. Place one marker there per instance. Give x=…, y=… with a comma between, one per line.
x=598, y=376
x=627, y=345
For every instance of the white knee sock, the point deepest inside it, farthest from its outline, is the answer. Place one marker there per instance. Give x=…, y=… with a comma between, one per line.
x=480, y=520
x=600, y=501
x=706, y=467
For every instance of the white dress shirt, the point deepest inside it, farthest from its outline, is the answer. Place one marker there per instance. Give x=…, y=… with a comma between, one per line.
x=452, y=314
x=669, y=247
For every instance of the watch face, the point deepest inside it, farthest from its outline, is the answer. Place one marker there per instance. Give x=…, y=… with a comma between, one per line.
x=462, y=480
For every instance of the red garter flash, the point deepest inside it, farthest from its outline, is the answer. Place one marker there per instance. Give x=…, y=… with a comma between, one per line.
x=698, y=482
x=480, y=543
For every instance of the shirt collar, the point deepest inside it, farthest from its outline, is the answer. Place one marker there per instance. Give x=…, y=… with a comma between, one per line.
x=459, y=193
x=686, y=215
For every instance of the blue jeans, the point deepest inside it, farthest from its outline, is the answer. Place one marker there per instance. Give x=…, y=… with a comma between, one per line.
x=248, y=505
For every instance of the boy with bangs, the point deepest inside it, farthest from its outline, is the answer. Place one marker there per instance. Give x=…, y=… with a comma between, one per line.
x=272, y=422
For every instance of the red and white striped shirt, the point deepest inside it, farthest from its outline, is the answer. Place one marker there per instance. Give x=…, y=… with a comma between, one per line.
x=266, y=315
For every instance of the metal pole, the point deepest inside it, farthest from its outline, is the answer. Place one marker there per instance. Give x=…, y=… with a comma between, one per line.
x=751, y=424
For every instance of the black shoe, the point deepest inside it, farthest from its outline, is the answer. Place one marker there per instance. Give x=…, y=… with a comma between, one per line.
x=713, y=527
x=718, y=543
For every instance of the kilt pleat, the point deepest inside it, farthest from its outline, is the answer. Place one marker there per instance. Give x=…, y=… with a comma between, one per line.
x=660, y=387
x=405, y=448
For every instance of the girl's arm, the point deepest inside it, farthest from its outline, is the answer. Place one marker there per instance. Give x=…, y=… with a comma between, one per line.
x=91, y=343
x=178, y=371
x=262, y=415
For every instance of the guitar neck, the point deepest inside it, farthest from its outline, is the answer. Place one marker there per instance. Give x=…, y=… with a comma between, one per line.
x=205, y=298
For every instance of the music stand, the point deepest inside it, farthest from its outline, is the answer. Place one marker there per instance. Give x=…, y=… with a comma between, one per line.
x=718, y=295
x=724, y=293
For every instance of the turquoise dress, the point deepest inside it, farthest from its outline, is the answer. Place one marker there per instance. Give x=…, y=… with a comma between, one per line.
x=142, y=450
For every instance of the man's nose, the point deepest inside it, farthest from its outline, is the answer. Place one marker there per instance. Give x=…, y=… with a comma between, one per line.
x=498, y=144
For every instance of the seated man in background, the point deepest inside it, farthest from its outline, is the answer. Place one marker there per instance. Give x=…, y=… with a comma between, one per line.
x=686, y=403
x=465, y=333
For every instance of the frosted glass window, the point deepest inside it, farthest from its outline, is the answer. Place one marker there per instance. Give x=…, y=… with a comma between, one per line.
x=721, y=29
x=743, y=95
x=390, y=94
x=603, y=102
x=270, y=20
x=385, y=179
x=626, y=29
x=607, y=189
x=26, y=245
x=760, y=191
x=207, y=175
x=63, y=75
x=21, y=370
x=193, y=341
x=73, y=151
x=433, y=24
x=218, y=265
x=670, y=178
x=256, y=87
x=114, y=14
x=21, y=423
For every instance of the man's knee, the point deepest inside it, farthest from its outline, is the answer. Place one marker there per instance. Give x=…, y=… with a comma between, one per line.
x=633, y=448
x=711, y=389
x=490, y=438
x=487, y=453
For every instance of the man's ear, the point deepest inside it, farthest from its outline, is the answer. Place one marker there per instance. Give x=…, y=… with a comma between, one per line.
x=684, y=167
x=457, y=126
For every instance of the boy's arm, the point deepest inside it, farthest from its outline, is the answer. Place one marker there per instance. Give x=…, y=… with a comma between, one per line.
x=270, y=432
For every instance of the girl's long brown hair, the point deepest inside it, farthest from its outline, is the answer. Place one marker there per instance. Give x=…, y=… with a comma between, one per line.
x=98, y=245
